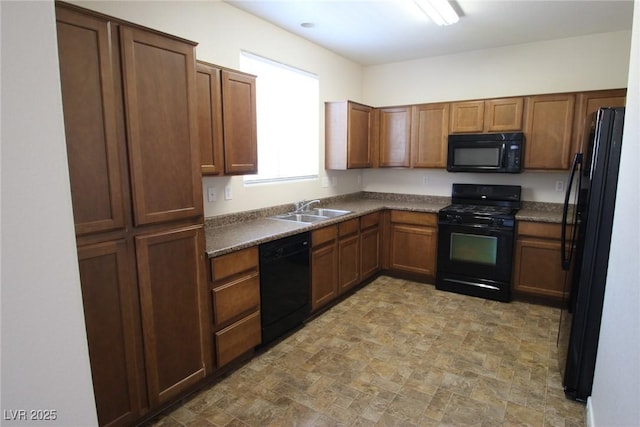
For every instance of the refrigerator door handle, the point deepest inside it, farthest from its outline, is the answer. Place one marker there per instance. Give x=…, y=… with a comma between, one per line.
x=566, y=258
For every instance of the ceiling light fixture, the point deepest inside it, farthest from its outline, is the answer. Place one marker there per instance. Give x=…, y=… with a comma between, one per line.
x=439, y=11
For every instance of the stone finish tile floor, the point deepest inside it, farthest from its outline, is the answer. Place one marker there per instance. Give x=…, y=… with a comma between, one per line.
x=399, y=353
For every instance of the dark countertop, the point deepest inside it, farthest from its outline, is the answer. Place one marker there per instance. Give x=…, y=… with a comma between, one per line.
x=224, y=236
x=239, y=235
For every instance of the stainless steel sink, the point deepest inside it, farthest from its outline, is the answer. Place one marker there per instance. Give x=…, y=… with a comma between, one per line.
x=330, y=213
x=312, y=215
x=300, y=217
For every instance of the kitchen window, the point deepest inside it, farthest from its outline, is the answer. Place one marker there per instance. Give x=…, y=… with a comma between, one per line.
x=287, y=107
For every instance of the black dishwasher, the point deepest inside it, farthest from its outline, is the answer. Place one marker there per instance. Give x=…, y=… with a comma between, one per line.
x=285, y=285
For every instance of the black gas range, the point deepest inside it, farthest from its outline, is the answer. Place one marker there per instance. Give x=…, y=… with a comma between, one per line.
x=475, y=240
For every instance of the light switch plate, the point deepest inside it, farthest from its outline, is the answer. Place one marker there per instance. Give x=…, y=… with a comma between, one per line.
x=228, y=194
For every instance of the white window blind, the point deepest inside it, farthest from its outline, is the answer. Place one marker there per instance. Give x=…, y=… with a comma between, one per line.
x=287, y=103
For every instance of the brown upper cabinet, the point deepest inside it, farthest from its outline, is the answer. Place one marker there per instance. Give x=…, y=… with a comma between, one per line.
x=490, y=115
x=586, y=104
x=503, y=115
x=467, y=116
x=429, y=132
x=162, y=127
x=349, y=129
x=548, y=130
x=394, y=125
x=226, y=120
x=89, y=96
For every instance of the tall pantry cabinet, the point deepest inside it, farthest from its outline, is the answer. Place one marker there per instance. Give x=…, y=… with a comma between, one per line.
x=131, y=128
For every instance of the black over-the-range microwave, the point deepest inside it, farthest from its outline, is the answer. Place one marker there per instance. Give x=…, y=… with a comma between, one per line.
x=486, y=152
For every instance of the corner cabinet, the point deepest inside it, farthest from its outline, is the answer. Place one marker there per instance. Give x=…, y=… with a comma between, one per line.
x=349, y=140
x=226, y=120
x=129, y=106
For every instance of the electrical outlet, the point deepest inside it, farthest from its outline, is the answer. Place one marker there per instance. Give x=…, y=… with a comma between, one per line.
x=228, y=193
x=211, y=194
x=425, y=180
x=560, y=186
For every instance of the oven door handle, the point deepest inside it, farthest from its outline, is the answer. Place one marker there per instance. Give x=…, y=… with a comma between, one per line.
x=479, y=285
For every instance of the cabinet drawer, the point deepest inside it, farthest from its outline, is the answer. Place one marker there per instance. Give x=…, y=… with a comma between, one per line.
x=349, y=227
x=323, y=235
x=234, y=299
x=369, y=220
x=234, y=263
x=237, y=339
x=415, y=218
x=545, y=230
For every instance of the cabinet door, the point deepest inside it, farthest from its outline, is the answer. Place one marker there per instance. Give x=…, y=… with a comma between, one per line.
x=239, y=114
x=108, y=296
x=413, y=249
x=175, y=310
x=537, y=269
x=467, y=116
x=370, y=252
x=359, y=145
x=210, y=134
x=395, y=136
x=548, y=126
x=503, y=115
x=430, y=129
x=162, y=127
x=588, y=103
x=89, y=101
x=348, y=262
x=324, y=275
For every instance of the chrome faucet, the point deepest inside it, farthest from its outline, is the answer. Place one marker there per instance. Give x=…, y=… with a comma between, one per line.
x=303, y=204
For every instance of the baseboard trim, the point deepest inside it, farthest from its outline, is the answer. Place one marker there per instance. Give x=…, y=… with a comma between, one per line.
x=589, y=414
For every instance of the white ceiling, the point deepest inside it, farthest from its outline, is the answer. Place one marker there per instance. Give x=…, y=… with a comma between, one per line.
x=381, y=31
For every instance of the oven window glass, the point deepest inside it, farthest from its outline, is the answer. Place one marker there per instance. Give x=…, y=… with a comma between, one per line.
x=488, y=156
x=474, y=248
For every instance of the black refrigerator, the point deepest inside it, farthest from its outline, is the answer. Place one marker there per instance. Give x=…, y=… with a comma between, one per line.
x=586, y=236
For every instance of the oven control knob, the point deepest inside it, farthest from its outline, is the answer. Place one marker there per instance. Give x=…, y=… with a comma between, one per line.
x=458, y=219
x=496, y=222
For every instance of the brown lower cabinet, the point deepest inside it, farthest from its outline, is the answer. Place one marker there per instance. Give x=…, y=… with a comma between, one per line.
x=348, y=254
x=537, y=271
x=146, y=320
x=235, y=298
x=109, y=297
x=370, y=244
x=413, y=243
x=324, y=266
